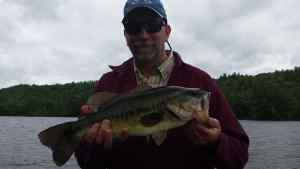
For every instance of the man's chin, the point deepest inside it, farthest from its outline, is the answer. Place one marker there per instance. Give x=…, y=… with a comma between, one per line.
x=144, y=57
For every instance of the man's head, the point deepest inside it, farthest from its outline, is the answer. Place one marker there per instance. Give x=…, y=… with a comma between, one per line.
x=146, y=29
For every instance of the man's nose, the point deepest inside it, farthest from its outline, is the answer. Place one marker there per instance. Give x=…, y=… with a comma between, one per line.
x=143, y=33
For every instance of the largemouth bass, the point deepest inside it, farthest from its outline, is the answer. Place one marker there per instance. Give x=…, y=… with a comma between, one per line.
x=147, y=112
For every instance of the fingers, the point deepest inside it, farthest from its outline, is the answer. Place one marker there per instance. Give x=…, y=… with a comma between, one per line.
x=213, y=132
x=214, y=123
x=92, y=133
x=208, y=122
x=101, y=133
x=207, y=133
x=85, y=110
x=124, y=134
x=104, y=135
x=195, y=115
x=200, y=117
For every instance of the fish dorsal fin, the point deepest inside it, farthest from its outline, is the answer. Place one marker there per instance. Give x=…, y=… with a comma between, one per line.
x=159, y=137
x=101, y=98
x=151, y=119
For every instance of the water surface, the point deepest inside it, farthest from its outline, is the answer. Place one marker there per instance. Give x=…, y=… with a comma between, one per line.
x=274, y=145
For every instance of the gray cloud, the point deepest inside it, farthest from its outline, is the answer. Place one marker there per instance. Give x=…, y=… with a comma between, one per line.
x=239, y=36
x=38, y=10
x=62, y=41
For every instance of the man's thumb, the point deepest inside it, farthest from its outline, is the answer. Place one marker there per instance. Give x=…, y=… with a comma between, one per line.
x=85, y=110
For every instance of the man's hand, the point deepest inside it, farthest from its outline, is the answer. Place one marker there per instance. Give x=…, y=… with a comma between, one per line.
x=209, y=133
x=101, y=132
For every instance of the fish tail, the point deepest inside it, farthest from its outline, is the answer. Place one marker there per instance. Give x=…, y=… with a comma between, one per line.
x=61, y=140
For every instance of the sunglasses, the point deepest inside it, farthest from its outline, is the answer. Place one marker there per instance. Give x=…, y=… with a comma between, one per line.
x=135, y=27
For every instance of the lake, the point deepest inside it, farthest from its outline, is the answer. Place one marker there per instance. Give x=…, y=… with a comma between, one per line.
x=274, y=145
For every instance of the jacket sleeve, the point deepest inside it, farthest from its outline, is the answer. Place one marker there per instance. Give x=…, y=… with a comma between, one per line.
x=94, y=156
x=232, y=148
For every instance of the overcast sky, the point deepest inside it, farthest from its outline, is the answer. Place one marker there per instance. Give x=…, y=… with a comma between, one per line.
x=60, y=41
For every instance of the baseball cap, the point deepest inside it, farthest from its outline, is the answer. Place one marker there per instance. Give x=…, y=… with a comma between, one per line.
x=154, y=5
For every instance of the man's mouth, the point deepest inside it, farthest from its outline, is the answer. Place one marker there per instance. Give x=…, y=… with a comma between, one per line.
x=143, y=47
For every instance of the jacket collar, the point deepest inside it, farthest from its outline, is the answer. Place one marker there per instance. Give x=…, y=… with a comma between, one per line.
x=127, y=66
x=125, y=72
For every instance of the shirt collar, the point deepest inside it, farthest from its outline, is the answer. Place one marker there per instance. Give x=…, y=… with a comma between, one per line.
x=164, y=69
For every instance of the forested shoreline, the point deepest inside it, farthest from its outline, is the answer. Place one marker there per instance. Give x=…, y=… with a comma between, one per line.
x=266, y=96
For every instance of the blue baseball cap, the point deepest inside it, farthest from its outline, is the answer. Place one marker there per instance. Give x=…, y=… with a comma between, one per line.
x=154, y=5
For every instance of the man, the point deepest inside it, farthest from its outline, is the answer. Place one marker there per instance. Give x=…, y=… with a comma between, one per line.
x=223, y=145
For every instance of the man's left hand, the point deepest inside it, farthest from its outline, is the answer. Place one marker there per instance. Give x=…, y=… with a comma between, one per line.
x=207, y=134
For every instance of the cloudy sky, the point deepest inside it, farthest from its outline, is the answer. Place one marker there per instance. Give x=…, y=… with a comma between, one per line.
x=60, y=41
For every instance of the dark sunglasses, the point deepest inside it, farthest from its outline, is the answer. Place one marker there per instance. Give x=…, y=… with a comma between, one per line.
x=135, y=27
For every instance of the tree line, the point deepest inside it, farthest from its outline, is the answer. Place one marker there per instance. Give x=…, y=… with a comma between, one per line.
x=266, y=96
x=45, y=100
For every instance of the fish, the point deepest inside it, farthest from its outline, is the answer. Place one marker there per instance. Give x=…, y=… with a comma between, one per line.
x=144, y=112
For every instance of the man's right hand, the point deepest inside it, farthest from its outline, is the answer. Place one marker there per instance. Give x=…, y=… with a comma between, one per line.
x=101, y=132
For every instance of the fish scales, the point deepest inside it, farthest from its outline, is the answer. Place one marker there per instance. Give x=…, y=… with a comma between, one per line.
x=134, y=103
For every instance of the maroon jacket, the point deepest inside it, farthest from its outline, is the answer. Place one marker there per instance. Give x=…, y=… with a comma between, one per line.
x=178, y=151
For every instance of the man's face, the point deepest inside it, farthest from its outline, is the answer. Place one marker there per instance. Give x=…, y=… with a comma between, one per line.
x=146, y=35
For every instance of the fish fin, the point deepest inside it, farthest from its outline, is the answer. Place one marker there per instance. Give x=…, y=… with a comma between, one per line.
x=159, y=137
x=61, y=140
x=101, y=98
x=152, y=119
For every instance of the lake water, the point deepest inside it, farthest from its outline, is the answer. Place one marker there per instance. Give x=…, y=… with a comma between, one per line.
x=274, y=145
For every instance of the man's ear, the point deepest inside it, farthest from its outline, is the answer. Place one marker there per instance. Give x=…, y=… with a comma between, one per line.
x=168, y=30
